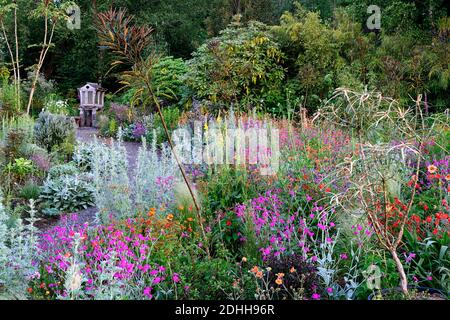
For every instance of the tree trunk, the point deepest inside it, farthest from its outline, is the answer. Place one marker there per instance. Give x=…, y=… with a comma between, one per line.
x=401, y=272
x=30, y=99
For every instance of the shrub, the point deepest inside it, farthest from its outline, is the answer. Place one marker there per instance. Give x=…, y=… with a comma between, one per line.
x=68, y=169
x=111, y=181
x=241, y=66
x=83, y=156
x=21, y=168
x=155, y=177
x=56, y=105
x=68, y=193
x=167, y=78
x=18, y=249
x=15, y=139
x=30, y=191
x=52, y=130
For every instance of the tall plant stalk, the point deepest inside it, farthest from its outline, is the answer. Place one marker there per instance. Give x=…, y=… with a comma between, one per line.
x=6, y=8
x=128, y=42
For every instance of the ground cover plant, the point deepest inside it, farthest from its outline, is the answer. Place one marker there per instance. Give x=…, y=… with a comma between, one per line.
x=294, y=153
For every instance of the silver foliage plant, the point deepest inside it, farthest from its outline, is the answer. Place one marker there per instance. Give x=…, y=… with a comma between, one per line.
x=18, y=247
x=121, y=192
x=155, y=176
x=111, y=182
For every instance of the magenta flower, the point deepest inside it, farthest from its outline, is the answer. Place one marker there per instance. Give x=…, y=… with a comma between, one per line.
x=147, y=292
x=176, y=278
x=316, y=296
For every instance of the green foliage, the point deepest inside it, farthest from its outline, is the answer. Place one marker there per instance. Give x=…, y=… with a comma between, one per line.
x=167, y=79
x=52, y=130
x=242, y=66
x=68, y=169
x=30, y=191
x=67, y=193
x=171, y=116
x=20, y=169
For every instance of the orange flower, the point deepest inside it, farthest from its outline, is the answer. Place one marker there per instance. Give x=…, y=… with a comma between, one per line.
x=279, y=281
x=432, y=169
x=259, y=274
x=280, y=275
x=447, y=177
x=152, y=212
x=190, y=219
x=30, y=290
x=67, y=255
x=255, y=269
x=181, y=208
x=170, y=217
x=292, y=270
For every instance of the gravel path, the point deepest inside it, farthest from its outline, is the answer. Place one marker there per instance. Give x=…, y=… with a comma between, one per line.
x=88, y=215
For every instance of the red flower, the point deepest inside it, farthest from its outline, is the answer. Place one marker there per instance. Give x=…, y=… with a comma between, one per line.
x=425, y=207
x=228, y=223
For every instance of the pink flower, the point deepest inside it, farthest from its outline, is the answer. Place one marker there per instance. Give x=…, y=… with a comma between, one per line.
x=316, y=296
x=330, y=290
x=147, y=292
x=313, y=258
x=343, y=256
x=176, y=278
x=157, y=280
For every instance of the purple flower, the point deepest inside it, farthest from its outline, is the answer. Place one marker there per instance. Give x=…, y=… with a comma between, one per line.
x=316, y=296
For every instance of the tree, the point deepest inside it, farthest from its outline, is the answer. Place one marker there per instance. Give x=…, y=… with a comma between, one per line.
x=53, y=13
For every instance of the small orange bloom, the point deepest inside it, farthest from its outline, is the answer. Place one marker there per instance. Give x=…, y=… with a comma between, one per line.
x=255, y=269
x=30, y=290
x=67, y=255
x=190, y=219
x=432, y=169
x=447, y=177
x=279, y=281
x=181, y=208
x=280, y=275
x=259, y=274
x=170, y=217
x=292, y=270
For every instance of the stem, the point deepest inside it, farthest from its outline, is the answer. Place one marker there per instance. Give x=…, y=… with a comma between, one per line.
x=13, y=61
x=17, y=57
x=43, y=54
x=180, y=166
x=401, y=272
